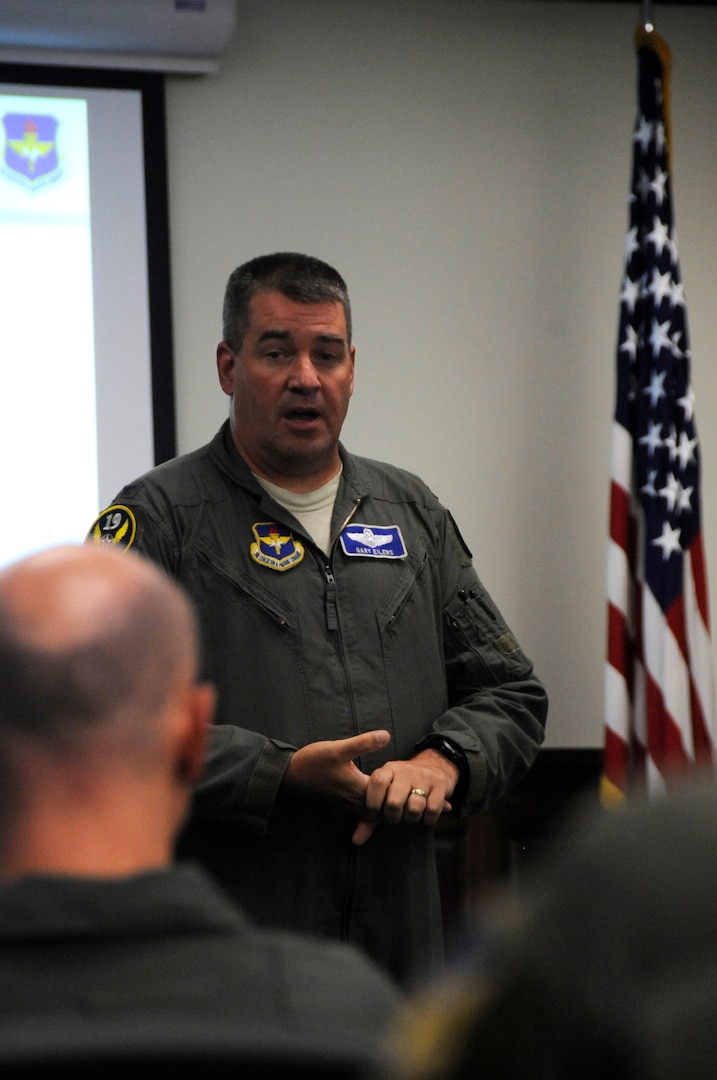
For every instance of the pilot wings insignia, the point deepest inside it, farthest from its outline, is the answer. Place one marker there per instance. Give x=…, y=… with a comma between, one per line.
x=368, y=537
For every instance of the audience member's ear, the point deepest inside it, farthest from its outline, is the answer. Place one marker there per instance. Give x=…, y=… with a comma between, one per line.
x=200, y=714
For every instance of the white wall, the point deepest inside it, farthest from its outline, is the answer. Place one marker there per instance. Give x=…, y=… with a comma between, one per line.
x=465, y=164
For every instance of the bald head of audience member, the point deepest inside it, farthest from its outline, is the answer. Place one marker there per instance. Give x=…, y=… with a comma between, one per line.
x=102, y=718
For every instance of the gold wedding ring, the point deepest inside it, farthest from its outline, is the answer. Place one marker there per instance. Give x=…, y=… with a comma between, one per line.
x=419, y=791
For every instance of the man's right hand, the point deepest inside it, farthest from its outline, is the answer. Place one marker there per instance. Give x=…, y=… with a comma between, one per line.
x=328, y=768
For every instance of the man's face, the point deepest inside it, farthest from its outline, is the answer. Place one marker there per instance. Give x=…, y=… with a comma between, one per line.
x=290, y=385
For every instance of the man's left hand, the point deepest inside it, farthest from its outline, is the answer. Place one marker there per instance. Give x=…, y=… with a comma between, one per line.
x=408, y=792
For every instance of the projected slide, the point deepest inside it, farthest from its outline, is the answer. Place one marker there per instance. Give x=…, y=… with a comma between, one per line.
x=76, y=416
x=48, y=422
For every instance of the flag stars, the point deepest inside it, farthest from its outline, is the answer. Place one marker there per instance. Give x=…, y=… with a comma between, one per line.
x=656, y=389
x=684, y=499
x=660, y=235
x=661, y=285
x=657, y=185
x=629, y=345
x=649, y=487
x=652, y=440
x=675, y=495
x=643, y=185
x=685, y=450
x=677, y=294
x=672, y=245
x=669, y=541
x=660, y=337
x=643, y=133
x=688, y=402
x=630, y=293
x=670, y=491
x=671, y=442
x=631, y=243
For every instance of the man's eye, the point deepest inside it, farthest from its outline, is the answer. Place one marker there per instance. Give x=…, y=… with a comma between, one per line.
x=327, y=358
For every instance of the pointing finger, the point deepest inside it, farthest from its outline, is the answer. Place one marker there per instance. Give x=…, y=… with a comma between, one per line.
x=365, y=743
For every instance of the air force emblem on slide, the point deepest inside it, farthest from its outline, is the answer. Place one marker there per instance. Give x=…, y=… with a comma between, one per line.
x=373, y=541
x=275, y=547
x=30, y=156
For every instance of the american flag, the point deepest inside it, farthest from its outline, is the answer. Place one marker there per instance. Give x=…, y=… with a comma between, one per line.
x=659, y=692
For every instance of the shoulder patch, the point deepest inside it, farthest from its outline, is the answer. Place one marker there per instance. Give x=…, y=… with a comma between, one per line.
x=465, y=556
x=115, y=525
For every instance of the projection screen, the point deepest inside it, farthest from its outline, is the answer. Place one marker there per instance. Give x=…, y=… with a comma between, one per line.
x=86, y=384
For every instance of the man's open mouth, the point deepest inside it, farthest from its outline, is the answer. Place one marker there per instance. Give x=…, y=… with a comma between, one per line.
x=302, y=415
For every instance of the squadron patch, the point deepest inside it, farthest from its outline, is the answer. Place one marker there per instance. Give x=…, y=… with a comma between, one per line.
x=373, y=541
x=275, y=547
x=115, y=525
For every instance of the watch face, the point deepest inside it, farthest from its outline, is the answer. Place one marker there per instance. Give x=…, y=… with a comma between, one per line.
x=450, y=751
x=443, y=746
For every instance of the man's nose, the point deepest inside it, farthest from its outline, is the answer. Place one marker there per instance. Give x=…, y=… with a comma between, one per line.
x=303, y=374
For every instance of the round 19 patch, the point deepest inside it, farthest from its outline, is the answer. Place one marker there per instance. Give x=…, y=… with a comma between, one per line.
x=115, y=525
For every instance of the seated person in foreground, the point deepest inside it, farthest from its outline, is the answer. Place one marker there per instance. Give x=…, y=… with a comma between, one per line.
x=102, y=736
x=608, y=970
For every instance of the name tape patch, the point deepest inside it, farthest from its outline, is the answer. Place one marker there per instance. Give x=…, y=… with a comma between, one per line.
x=373, y=541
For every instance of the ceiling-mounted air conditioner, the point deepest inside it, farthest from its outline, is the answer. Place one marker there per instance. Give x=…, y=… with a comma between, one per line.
x=162, y=35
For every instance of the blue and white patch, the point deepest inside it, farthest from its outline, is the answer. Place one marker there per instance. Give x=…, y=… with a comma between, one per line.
x=373, y=541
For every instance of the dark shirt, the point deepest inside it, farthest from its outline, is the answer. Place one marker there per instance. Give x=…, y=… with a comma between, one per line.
x=169, y=944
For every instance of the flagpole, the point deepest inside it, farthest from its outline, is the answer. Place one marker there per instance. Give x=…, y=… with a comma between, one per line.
x=647, y=15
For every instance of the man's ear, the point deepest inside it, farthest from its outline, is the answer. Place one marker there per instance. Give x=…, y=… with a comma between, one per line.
x=352, y=358
x=200, y=713
x=226, y=363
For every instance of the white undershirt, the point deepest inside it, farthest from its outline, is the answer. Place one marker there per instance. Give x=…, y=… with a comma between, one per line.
x=312, y=508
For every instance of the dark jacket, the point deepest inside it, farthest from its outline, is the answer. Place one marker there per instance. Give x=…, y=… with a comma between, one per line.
x=392, y=629
x=167, y=945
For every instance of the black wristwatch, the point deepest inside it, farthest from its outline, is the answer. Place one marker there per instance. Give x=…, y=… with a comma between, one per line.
x=452, y=752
